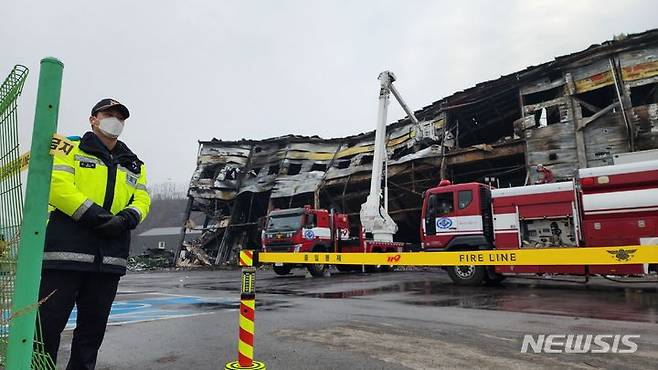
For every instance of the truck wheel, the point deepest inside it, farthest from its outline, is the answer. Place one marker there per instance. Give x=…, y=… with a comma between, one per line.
x=494, y=280
x=467, y=275
x=282, y=270
x=491, y=277
x=317, y=270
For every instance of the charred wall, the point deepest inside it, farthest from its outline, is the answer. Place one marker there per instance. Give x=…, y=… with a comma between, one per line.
x=576, y=111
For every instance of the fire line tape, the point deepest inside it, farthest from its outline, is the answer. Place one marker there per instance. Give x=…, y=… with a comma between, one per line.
x=550, y=256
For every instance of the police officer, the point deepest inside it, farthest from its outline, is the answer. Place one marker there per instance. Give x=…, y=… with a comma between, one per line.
x=97, y=195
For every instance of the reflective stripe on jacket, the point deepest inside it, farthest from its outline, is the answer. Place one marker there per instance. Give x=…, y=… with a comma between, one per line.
x=86, y=184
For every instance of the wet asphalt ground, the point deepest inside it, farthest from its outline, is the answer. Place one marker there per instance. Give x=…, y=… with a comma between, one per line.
x=398, y=320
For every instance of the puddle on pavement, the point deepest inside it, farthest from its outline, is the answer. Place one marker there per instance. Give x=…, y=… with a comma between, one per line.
x=554, y=298
x=609, y=303
x=262, y=305
x=130, y=300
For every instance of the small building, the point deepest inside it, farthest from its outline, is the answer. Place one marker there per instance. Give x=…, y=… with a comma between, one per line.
x=167, y=238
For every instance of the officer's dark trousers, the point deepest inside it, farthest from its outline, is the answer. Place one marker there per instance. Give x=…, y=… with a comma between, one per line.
x=93, y=294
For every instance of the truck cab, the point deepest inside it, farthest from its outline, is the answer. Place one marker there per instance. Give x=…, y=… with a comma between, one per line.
x=303, y=230
x=296, y=230
x=457, y=217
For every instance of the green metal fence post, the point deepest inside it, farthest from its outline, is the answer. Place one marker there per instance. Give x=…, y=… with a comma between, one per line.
x=30, y=253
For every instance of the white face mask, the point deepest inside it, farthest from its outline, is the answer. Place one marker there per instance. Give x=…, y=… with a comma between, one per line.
x=111, y=127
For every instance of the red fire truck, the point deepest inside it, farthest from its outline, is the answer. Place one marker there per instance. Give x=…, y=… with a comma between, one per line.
x=604, y=206
x=318, y=230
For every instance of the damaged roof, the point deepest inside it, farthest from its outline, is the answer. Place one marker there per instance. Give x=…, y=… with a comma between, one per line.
x=294, y=164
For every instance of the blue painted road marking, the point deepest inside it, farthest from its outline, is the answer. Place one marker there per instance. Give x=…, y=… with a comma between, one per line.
x=150, y=309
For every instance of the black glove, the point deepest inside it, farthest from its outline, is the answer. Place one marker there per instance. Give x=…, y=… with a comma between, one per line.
x=116, y=226
x=131, y=216
x=94, y=216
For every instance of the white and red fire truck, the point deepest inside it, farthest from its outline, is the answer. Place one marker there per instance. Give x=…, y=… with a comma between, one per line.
x=318, y=230
x=604, y=206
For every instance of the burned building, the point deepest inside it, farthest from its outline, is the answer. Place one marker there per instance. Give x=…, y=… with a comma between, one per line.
x=576, y=111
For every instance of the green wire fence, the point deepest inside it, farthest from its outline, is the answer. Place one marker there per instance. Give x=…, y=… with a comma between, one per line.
x=22, y=225
x=11, y=198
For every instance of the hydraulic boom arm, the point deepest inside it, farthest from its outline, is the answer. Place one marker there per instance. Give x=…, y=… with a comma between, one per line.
x=374, y=212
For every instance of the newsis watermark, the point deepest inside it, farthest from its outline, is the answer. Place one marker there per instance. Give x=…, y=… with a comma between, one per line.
x=579, y=343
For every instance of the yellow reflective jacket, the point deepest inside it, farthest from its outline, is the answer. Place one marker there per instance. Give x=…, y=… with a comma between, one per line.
x=88, y=185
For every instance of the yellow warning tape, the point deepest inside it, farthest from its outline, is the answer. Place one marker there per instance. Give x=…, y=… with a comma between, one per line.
x=14, y=166
x=59, y=146
x=549, y=256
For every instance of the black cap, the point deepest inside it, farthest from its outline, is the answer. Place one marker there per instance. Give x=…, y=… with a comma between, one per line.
x=108, y=103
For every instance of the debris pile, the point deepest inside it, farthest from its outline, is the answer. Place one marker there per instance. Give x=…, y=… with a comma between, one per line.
x=151, y=259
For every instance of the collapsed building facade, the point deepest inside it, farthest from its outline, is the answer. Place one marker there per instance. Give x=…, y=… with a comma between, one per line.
x=576, y=111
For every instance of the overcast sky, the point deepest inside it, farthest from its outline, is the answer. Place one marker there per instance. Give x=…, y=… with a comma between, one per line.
x=194, y=70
